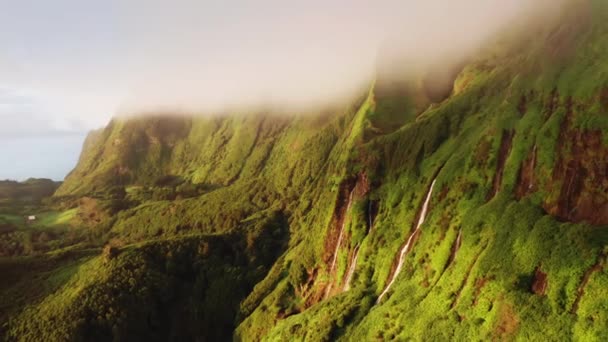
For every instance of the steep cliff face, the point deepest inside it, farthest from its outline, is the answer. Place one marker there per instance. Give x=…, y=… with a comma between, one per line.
x=504, y=202
x=499, y=190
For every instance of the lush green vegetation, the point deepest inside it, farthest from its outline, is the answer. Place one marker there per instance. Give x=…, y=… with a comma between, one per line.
x=171, y=289
x=177, y=227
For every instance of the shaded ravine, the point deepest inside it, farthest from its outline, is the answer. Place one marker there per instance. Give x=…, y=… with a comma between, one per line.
x=533, y=166
x=525, y=180
x=338, y=244
x=372, y=213
x=455, y=248
x=405, y=249
x=503, y=154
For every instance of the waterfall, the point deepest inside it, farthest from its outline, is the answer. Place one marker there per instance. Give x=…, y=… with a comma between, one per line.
x=333, y=262
x=351, y=269
x=353, y=261
x=337, y=249
x=408, y=244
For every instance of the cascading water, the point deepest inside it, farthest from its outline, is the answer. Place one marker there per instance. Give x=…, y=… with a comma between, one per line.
x=337, y=249
x=351, y=269
x=408, y=244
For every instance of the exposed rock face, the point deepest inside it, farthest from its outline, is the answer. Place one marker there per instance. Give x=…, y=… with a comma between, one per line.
x=90, y=212
x=350, y=191
x=508, y=322
x=526, y=182
x=340, y=211
x=539, y=285
x=110, y=252
x=362, y=187
x=582, y=172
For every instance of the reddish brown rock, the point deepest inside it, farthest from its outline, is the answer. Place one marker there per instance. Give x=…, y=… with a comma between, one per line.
x=581, y=173
x=539, y=285
x=526, y=180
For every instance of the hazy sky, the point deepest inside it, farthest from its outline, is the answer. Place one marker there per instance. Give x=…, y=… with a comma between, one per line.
x=67, y=66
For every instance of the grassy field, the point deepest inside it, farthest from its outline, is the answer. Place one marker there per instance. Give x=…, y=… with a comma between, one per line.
x=54, y=218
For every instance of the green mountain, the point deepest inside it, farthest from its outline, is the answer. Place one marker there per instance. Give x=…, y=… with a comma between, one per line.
x=477, y=213
x=29, y=190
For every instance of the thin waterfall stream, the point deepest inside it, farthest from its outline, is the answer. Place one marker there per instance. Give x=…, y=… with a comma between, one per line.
x=405, y=249
x=351, y=269
x=337, y=248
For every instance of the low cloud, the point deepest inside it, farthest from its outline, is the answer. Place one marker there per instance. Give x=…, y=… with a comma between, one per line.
x=90, y=61
x=67, y=66
x=24, y=115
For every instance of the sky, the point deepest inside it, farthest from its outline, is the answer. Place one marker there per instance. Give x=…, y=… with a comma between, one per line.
x=69, y=66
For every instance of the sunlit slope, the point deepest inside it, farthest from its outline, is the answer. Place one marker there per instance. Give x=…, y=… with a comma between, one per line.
x=216, y=151
x=499, y=191
x=514, y=242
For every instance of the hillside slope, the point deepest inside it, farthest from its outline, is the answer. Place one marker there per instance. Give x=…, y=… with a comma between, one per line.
x=483, y=215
